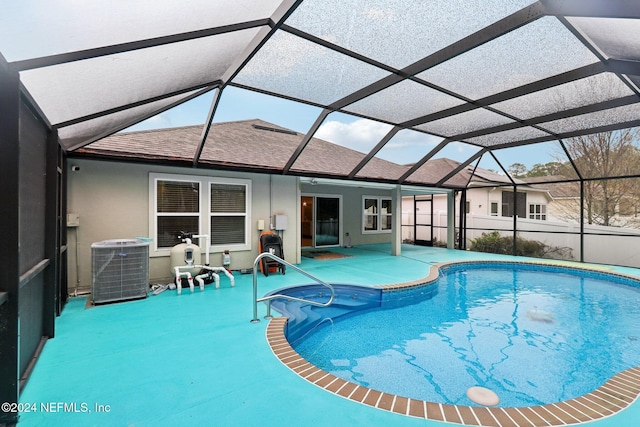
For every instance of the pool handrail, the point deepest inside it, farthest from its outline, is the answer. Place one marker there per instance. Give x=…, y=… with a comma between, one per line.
x=268, y=298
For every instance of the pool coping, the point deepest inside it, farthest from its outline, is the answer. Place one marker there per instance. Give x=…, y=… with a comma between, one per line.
x=612, y=397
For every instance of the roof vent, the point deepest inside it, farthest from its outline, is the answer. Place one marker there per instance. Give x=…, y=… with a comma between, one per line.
x=270, y=129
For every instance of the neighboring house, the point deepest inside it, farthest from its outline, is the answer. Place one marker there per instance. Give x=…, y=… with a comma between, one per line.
x=565, y=196
x=623, y=209
x=489, y=193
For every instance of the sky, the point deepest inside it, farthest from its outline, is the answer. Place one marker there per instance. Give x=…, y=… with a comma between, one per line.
x=343, y=129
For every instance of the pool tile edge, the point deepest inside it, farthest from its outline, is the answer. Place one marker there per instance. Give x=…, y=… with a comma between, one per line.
x=614, y=396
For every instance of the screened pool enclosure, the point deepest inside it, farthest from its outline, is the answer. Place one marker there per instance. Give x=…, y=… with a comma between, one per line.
x=507, y=80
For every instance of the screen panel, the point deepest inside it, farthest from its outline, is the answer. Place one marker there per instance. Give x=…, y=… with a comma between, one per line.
x=106, y=22
x=75, y=136
x=373, y=27
x=530, y=53
x=80, y=88
x=579, y=93
x=616, y=37
x=468, y=121
x=505, y=137
x=402, y=102
x=297, y=68
x=544, y=161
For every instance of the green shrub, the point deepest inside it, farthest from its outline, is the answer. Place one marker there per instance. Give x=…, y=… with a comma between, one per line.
x=494, y=243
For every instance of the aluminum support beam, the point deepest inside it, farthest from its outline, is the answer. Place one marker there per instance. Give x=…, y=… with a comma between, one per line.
x=305, y=140
x=10, y=248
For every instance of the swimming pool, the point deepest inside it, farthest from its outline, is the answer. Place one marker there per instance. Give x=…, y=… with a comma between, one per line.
x=530, y=333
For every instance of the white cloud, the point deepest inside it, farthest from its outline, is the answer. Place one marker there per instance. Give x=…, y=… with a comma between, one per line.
x=361, y=135
x=159, y=121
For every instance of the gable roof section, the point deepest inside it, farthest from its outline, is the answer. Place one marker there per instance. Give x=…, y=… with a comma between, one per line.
x=562, y=189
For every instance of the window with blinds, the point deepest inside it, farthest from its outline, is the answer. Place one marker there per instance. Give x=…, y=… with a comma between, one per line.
x=217, y=207
x=177, y=209
x=228, y=214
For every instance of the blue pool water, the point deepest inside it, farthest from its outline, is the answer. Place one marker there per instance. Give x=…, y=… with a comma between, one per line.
x=533, y=335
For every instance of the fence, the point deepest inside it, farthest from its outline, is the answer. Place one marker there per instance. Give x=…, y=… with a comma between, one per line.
x=603, y=245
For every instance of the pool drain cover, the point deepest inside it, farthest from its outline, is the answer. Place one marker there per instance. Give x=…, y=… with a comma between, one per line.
x=482, y=396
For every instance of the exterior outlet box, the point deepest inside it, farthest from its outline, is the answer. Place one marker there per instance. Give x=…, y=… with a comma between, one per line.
x=73, y=220
x=281, y=222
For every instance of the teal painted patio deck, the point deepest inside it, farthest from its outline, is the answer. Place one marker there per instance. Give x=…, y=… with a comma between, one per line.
x=196, y=360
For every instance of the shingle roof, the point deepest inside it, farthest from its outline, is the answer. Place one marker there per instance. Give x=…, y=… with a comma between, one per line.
x=248, y=144
x=262, y=146
x=557, y=190
x=162, y=144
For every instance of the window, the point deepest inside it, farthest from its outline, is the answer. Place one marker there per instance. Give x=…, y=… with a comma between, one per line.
x=228, y=214
x=467, y=206
x=377, y=214
x=217, y=207
x=494, y=208
x=177, y=209
x=537, y=211
x=509, y=205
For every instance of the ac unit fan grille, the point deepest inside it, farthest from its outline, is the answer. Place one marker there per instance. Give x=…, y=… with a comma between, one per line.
x=120, y=270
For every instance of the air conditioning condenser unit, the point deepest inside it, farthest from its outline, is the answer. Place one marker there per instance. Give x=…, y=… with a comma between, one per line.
x=119, y=270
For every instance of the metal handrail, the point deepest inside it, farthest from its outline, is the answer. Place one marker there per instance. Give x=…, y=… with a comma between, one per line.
x=256, y=300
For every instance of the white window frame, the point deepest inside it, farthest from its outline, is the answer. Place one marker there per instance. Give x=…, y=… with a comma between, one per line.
x=539, y=214
x=379, y=215
x=247, y=213
x=204, y=213
x=497, y=205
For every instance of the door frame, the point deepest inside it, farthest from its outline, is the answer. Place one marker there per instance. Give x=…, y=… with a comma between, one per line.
x=416, y=224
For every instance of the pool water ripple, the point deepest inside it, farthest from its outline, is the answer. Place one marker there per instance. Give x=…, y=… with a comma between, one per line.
x=472, y=338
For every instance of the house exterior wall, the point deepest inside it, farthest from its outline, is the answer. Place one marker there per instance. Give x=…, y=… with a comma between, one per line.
x=480, y=200
x=352, y=211
x=112, y=201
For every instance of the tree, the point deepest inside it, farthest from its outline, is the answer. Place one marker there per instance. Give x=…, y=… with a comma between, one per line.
x=606, y=155
x=547, y=169
x=538, y=170
x=517, y=170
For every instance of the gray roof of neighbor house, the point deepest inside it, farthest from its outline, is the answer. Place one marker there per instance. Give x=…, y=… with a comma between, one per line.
x=557, y=186
x=488, y=73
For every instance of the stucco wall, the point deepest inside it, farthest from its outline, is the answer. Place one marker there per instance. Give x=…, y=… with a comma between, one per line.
x=112, y=200
x=352, y=211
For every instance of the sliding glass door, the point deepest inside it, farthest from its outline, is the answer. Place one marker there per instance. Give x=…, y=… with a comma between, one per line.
x=320, y=220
